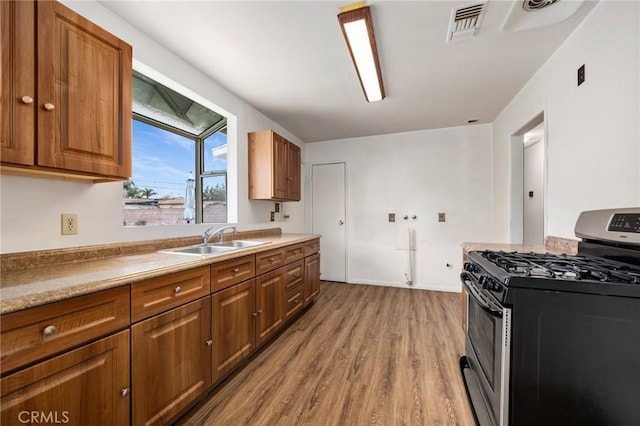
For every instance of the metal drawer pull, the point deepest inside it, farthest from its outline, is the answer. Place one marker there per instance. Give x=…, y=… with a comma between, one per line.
x=49, y=330
x=177, y=290
x=236, y=270
x=27, y=100
x=209, y=342
x=49, y=106
x=125, y=392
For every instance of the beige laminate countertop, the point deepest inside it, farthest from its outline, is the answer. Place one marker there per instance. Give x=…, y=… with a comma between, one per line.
x=25, y=288
x=467, y=247
x=553, y=245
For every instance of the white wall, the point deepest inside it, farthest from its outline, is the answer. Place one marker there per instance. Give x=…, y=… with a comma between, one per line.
x=421, y=173
x=30, y=208
x=592, y=131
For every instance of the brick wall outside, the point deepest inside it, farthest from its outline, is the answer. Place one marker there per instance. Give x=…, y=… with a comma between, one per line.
x=170, y=215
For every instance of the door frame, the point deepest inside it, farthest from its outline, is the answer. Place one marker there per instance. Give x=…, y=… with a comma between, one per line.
x=346, y=210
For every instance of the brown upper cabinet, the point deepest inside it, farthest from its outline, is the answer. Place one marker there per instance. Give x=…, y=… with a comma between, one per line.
x=274, y=167
x=66, y=94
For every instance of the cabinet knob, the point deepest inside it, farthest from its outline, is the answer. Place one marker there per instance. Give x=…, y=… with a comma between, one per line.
x=125, y=392
x=209, y=342
x=27, y=100
x=296, y=301
x=49, y=106
x=259, y=311
x=49, y=330
x=236, y=270
x=254, y=314
x=271, y=259
x=177, y=290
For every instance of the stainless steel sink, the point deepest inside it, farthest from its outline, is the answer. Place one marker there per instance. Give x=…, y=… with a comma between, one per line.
x=199, y=250
x=239, y=244
x=214, y=248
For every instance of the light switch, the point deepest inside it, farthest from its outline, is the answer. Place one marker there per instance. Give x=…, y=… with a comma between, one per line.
x=441, y=217
x=392, y=217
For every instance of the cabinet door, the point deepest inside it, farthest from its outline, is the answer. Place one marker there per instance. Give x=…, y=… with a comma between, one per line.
x=269, y=304
x=87, y=386
x=84, y=94
x=293, y=171
x=233, y=326
x=280, y=153
x=311, y=278
x=17, y=110
x=171, y=361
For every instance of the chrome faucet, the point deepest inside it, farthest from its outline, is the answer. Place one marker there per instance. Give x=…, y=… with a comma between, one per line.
x=219, y=232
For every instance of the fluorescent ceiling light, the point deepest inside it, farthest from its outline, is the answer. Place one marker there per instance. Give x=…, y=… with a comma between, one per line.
x=358, y=32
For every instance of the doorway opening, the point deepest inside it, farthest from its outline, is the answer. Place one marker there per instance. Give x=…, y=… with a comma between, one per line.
x=528, y=183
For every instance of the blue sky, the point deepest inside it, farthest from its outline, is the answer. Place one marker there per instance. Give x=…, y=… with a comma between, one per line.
x=162, y=160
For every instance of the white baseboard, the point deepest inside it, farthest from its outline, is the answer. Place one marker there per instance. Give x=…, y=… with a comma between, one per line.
x=429, y=286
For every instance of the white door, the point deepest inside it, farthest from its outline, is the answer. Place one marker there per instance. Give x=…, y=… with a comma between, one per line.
x=533, y=209
x=328, y=218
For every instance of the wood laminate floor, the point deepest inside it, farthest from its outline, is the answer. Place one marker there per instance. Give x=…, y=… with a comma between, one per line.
x=361, y=355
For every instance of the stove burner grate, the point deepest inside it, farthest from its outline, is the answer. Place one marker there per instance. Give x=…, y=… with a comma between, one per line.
x=565, y=267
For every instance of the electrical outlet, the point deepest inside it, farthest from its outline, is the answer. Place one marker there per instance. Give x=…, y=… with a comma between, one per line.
x=581, y=75
x=277, y=208
x=441, y=217
x=273, y=216
x=69, y=223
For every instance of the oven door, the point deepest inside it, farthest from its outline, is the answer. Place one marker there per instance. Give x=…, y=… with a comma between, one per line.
x=487, y=347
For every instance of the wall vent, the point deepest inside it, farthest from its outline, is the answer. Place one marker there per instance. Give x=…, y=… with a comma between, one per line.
x=465, y=21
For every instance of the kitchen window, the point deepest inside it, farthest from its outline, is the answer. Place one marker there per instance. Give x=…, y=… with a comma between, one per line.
x=179, y=159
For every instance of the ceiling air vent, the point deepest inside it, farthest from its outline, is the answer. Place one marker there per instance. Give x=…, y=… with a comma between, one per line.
x=533, y=5
x=465, y=21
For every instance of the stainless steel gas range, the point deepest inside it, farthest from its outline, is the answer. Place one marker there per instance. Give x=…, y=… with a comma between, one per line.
x=555, y=339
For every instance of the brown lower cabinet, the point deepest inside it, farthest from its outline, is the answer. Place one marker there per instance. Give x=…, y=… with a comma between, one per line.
x=234, y=326
x=311, y=278
x=245, y=316
x=182, y=341
x=171, y=361
x=269, y=304
x=85, y=386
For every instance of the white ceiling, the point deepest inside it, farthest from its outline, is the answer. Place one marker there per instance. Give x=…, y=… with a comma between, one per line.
x=289, y=60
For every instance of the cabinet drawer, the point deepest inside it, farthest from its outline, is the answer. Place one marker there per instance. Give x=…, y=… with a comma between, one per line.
x=269, y=260
x=293, y=274
x=156, y=295
x=38, y=332
x=230, y=272
x=312, y=247
x=293, y=301
x=293, y=253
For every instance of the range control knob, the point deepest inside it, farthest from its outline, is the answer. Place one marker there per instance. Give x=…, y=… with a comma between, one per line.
x=483, y=281
x=470, y=267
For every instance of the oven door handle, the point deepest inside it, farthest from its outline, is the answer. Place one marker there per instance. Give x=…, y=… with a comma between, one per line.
x=487, y=305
